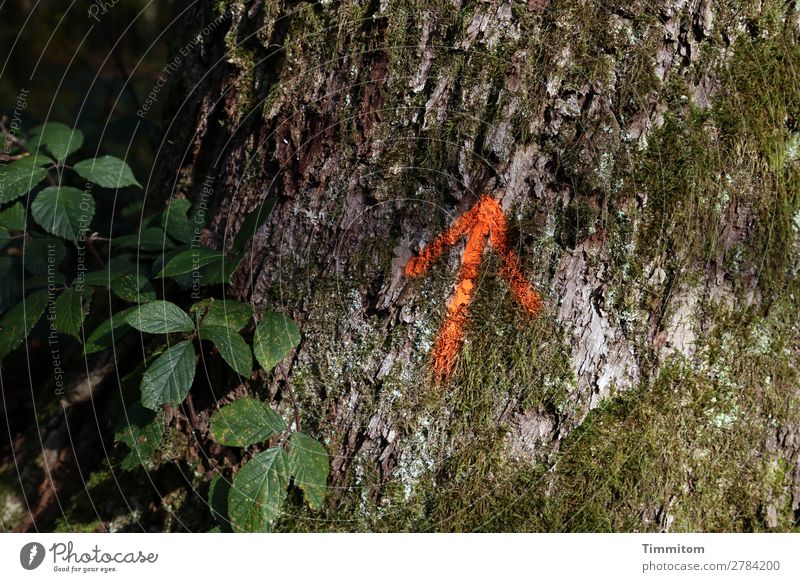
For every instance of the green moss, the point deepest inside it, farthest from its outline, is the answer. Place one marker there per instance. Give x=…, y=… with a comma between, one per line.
x=687, y=451
x=509, y=364
x=701, y=167
x=220, y=6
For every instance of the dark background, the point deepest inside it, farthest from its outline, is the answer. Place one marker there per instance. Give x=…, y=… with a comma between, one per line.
x=91, y=73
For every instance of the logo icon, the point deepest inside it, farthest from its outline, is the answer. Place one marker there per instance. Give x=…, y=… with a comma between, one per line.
x=31, y=555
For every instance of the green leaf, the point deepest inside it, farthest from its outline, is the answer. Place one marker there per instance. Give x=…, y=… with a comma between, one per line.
x=258, y=491
x=309, y=464
x=117, y=266
x=5, y=238
x=71, y=309
x=103, y=336
x=252, y=223
x=232, y=347
x=65, y=212
x=218, y=493
x=225, y=312
x=276, y=335
x=245, y=422
x=160, y=260
x=6, y=264
x=169, y=377
x=160, y=317
x=220, y=270
x=40, y=252
x=142, y=431
x=43, y=280
x=13, y=217
x=151, y=238
x=22, y=176
x=107, y=171
x=133, y=287
x=175, y=221
x=60, y=139
x=19, y=321
x=10, y=280
x=189, y=260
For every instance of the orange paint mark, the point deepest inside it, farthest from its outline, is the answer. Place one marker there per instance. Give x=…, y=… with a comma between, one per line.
x=482, y=221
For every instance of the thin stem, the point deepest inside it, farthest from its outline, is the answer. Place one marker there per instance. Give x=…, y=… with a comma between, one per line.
x=192, y=413
x=5, y=158
x=6, y=134
x=95, y=254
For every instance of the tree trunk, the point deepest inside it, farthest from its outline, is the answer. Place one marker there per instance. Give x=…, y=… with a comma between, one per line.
x=645, y=157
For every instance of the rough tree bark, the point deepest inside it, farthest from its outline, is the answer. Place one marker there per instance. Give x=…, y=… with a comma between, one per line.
x=601, y=129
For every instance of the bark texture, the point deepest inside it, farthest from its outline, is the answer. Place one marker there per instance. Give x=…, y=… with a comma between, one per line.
x=650, y=189
x=599, y=127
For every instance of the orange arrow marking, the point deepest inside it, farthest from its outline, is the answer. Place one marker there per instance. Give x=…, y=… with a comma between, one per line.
x=482, y=221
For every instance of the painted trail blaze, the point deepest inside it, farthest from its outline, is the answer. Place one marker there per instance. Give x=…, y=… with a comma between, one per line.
x=484, y=220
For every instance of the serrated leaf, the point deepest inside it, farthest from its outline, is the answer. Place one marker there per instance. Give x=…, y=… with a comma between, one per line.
x=65, y=212
x=245, y=422
x=310, y=466
x=142, y=431
x=103, y=336
x=147, y=239
x=175, y=221
x=188, y=261
x=168, y=379
x=232, y=347
x=133, y=287
x=39, y=253
x=226, y=312
x=107, y=171
x=252, y=223
x=59, y=138
x=276, y=335
x=13, y=217
x=17, y=323
x=160, y=317
x=71, y=309
x=21, y=176
x=258, y=491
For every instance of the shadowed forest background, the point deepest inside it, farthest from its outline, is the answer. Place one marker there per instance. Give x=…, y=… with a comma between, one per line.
x=646, y=156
